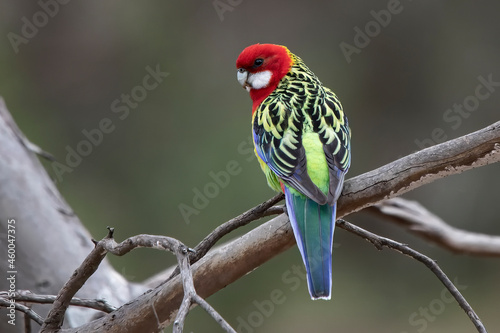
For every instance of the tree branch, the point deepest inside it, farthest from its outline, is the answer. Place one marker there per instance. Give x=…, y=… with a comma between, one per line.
x=381, y=242
x=264, y=209
x=251, y=250
x=207, y=279
x=54, y=319
x=159, y=306
x=419, y=221
x=27, y=296
x=191, y=297
x=410, y=172
x=23, y=308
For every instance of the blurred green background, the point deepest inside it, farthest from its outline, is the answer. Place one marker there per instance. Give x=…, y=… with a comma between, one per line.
x=62, y=78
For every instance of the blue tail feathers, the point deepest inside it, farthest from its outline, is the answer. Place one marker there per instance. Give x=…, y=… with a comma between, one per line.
x=313, y=226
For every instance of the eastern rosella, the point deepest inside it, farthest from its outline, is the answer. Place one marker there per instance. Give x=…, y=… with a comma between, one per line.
x=302, y=141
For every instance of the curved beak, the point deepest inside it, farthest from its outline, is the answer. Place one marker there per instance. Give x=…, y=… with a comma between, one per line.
x=242, y=76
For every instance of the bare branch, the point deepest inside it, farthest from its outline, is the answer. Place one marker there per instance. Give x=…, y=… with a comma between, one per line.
x=108, y=244
x=131, y=243
x=244, y=254
x=234, y=259
x=55, y=317
x=23, y=308
x=208, y=242
x=380, y=242
x=239, y=256
x=27, y=322
x=410, y=172
x=418, y=220
x=191, y=297
x=27, y=296
x=239, y=221
x=264, y=209
x=182, y=254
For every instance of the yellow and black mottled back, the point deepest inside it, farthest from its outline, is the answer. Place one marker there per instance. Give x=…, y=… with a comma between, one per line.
x=300, y=105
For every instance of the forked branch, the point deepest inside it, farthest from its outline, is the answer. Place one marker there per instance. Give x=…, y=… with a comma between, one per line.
x=54, y=319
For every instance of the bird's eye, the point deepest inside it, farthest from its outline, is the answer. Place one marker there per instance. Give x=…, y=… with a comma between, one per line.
x=258, y=62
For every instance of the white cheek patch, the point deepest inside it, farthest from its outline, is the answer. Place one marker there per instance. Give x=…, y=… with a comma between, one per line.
x=260, y=80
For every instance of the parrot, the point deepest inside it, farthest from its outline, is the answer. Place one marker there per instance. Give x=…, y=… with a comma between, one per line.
x=302, y=141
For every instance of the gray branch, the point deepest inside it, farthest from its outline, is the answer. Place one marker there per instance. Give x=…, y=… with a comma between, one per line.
x=244, y=254
x=467, y=152
x=27, y=296
x=191, y=297
x=381, y=242
x=418, y=220
x=24, y=309
x=54, y=319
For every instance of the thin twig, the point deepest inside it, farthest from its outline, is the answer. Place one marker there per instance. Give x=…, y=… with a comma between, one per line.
x=187, y=283
x=27, y=322
x=264, y=209
x=37, y=150
x=108, y=244
x=253, y=214
x=23, y=308
x=27, y=296
x=379, y=242
x=190, y=296
x=275, y=210
x=55, y=317
x=182, y=253
x=134, y=242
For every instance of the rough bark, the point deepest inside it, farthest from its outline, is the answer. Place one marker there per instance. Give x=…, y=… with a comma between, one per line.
x=253, y=249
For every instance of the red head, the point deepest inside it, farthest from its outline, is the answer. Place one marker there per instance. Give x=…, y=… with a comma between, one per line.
x=260, y=69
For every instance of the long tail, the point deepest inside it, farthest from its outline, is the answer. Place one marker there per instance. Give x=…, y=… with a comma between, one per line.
x=313, y=226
